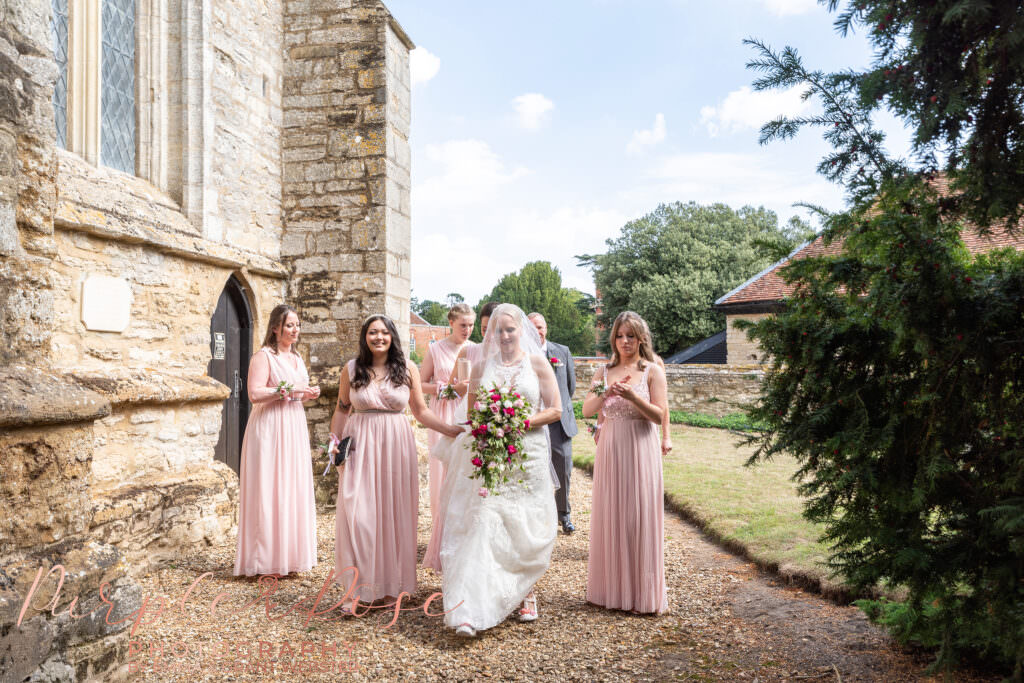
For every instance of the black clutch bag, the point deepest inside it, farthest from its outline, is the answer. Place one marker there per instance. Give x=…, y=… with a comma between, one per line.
x=342, y=453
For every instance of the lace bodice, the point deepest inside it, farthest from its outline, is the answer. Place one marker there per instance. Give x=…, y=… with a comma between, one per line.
x=519, y=375
x=618, y=408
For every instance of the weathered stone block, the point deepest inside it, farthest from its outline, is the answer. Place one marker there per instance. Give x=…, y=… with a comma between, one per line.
x=314, y=264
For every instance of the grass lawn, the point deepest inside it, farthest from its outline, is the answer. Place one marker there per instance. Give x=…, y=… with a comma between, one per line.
x=754, y=511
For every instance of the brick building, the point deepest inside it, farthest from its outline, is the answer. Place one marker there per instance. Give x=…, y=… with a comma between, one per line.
x=762, y=294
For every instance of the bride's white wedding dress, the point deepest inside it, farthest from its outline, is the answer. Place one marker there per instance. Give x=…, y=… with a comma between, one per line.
x=495, y=548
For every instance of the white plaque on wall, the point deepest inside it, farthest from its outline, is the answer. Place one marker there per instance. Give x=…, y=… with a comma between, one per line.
x=106, y=303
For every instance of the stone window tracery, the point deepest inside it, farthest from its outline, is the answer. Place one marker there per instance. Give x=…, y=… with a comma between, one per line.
x=132, y=90
x=94, y=96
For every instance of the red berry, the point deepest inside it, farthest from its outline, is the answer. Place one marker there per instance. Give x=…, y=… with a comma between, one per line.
x=967, y=279
x=934, y=98
x=959, y=337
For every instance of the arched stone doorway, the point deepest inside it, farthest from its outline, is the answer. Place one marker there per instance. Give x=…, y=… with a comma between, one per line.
x=230, y=350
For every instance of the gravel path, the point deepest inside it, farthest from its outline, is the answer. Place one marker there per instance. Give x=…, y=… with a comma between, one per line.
x=727, y=622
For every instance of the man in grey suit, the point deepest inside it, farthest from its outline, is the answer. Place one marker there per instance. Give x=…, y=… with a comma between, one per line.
x=560, y=433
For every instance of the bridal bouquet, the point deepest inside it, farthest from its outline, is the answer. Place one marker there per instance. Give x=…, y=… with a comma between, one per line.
x=498, y=418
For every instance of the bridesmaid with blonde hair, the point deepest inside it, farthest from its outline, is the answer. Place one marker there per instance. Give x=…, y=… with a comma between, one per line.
x=437, y=375
x=276, y=509
x=626, y=564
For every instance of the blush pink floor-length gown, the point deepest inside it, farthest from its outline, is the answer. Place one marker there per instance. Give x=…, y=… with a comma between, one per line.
x=378, y=494
x=626, y=564
x=444, y=356
x=276, y=507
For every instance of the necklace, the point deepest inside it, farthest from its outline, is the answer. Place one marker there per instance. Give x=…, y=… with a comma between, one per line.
x=510, y=363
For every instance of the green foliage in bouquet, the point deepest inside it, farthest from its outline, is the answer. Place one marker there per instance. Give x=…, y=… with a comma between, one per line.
x=499, y=418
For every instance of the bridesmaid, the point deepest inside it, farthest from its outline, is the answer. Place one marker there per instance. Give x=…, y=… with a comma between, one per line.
x=437, y=371
x=276, y=509
x=473, y=352
x=378, y=486
x=626, y=565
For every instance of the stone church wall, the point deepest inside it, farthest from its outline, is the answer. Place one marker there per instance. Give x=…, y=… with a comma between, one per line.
x=108, y=437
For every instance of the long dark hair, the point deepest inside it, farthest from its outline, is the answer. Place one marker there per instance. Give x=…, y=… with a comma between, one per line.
x=277, y=318
x=398, y=371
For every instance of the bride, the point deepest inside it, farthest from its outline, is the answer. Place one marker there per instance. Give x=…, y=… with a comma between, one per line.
x=496, y=547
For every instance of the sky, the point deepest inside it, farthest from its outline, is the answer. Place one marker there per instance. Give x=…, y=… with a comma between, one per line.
x=539, y=129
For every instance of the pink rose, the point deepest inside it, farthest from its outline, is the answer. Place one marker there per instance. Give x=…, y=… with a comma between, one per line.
x=500, y=433
x=518, y=404
x=483, y=428
x=477, y=461
x=483, y=493
x=478, y=406
x=527, y=423
x=511, y=449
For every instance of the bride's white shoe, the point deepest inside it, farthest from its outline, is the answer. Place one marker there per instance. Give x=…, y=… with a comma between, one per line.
x=529, y=610
x=465, y=630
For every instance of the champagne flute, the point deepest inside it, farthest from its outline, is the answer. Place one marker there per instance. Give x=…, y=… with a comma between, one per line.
x=462, y=369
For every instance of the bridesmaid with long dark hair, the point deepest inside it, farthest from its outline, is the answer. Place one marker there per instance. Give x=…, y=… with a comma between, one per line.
x=276, y=509
x=378, y=485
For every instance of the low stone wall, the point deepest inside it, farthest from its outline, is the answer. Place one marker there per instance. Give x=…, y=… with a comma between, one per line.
x=698, y=388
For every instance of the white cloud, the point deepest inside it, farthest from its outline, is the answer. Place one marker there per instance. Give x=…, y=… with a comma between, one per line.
x=745, y=109
x=758, y=179
x=423, y=65
x=532, y=109
x=789, y=7
x=470, y=173
x=484, y=246
x=648, y=138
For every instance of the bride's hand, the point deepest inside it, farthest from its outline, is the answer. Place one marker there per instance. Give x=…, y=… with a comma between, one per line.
x=454, y=430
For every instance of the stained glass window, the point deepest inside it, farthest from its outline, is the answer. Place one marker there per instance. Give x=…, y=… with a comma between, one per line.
x=117, y=104
x=59, y=35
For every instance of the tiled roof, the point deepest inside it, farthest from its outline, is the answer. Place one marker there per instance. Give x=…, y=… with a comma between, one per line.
x=415, y=319
x=768, y=286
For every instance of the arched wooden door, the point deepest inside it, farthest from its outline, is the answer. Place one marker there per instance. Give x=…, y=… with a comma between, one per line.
x=230, y=350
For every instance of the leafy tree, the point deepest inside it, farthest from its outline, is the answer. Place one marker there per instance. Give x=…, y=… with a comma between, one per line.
x=538, y=287
x=433, y=312
x=672, y=264
x=454, y=298
x=897, y=366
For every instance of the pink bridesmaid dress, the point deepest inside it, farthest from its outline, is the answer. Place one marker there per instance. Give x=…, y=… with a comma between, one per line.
x=626, y=565
x=276, y=508
x=378, y=494
x=443, y=355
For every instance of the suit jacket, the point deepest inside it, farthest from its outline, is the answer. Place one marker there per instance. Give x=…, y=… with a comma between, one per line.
x=565, y=374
